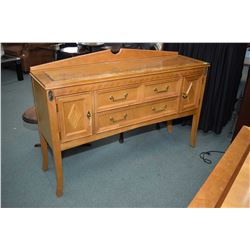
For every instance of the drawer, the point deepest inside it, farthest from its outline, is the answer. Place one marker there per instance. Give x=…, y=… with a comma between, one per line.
x=139, y=113
x=163, y=88
x=116, y=98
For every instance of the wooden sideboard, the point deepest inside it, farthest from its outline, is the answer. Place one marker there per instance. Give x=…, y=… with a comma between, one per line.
x=89, y=97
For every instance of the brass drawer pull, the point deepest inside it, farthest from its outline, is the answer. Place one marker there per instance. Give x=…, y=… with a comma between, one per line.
x=160, y=110
x=112, y=119
x=161, y=91
x=89, y=115
x=185, y=94
x=112, y=98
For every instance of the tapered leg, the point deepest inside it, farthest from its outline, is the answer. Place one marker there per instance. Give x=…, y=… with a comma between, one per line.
x=195, y=122
x=59, y=173
x=170, y=126
x=44, y=148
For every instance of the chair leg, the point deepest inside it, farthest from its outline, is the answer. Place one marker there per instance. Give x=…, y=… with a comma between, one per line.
x=121, y=138
x=19, y=70
x=157, y=126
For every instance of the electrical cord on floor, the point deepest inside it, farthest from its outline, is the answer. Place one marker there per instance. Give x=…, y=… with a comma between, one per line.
x=204, y=154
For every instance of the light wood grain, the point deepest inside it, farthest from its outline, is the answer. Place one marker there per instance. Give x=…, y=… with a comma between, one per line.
x=105, y=66
x=195, y=102
x=40, y=99
x=44, y=149
x=86, y=98
x=73, y=117
x=191, y=92
x=53, y=124
x=118, y=97
x=215, y=189
x=104, y=56
x=138, y=124
x=140, y=113
x=239, y=194
x=163, y=88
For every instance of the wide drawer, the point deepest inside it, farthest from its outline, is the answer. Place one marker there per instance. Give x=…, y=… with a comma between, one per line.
x=163, y=88
x=128, y=116
x=117, y=98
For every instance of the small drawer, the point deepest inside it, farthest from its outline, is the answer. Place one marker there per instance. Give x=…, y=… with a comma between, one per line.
x=163, y=88
x=116, y=98
x=128, y=116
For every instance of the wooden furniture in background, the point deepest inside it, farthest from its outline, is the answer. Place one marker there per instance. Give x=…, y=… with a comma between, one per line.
x=239, y=193
x=229, y=183
x=89, y=97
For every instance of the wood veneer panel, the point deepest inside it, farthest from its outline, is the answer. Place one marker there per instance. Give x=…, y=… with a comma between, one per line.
x=94, y=96
x=105, y=65
x=216, y=187
x=239, y=194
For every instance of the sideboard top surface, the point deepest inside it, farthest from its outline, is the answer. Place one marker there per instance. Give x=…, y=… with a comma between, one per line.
x=105, y=65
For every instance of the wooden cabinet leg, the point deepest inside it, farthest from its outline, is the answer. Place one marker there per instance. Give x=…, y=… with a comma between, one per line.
x=195, y=122
x=59, y=173
x=44, y=149
x=170, y=126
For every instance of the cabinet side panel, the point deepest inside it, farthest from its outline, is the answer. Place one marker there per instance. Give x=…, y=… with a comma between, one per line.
x=40, y=99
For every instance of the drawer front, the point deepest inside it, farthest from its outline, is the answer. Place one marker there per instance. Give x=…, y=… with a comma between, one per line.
x=128, y=116
x=163, y=88
x=116, y=98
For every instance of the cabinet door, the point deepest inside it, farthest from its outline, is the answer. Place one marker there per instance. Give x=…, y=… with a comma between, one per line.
x=190, y=93
x=75, y=116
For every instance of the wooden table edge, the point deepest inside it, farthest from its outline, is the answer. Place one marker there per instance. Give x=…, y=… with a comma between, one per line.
x=216, y=187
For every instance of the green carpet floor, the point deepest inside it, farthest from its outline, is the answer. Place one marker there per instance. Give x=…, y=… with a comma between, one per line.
x=151, y=169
